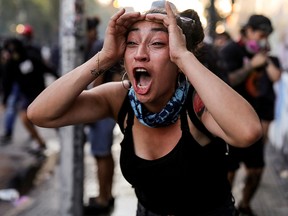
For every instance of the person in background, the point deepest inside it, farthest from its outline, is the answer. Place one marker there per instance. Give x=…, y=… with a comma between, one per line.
x=27, y=38
x=11, y=90
x=221, y=40
x=252, y=72
x=175, y=114
x=91, y=35
x=100, y=133
x=28, y=74
x=10, y=96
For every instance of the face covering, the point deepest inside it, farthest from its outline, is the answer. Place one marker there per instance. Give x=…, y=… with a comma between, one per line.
x=253, y=46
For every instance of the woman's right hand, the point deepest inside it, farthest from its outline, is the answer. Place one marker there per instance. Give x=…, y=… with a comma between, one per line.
x=115, y=35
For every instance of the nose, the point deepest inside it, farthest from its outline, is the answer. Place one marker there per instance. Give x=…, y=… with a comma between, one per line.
x=142, y=53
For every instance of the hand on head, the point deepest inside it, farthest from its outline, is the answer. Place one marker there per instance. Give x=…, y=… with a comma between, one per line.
x=177, y=40
x=116, y=32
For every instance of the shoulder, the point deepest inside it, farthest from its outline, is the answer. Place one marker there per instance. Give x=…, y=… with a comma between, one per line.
x=115, y=94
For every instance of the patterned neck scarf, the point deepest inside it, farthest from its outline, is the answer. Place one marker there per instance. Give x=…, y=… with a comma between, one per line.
x=168, y=115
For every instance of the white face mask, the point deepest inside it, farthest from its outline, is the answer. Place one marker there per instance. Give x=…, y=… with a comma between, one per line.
x=253, y=46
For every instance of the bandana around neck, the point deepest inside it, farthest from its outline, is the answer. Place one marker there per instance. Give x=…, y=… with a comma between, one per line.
x=168, y=115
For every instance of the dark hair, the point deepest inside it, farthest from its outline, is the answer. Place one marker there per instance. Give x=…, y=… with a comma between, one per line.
x=224, y=34
x=258, y=22
x=193, y=31
x=92, y=22
x=14, y=45
x=191, y=26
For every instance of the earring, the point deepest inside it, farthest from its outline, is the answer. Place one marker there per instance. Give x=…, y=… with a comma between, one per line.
x=123, y=79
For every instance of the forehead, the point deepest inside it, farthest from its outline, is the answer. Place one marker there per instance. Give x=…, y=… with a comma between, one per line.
x=147, y=27
x=257, y=33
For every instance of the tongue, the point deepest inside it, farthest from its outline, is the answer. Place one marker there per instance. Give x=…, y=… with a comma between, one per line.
x=143, y=85
x=144, y=81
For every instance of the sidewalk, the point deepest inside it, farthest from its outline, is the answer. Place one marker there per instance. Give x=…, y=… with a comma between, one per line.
x=271, y=198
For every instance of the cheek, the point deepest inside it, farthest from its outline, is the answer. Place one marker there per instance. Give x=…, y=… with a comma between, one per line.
x=127, y=59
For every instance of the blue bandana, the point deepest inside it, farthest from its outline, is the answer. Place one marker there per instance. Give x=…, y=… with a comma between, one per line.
x=168, y=115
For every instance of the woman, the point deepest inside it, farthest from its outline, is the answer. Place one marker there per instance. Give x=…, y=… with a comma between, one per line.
x=175, y=162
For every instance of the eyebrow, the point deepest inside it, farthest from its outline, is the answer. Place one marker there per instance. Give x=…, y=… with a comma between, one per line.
x=153, y=29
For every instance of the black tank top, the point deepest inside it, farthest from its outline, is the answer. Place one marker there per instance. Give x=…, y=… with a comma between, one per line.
x=189, y=180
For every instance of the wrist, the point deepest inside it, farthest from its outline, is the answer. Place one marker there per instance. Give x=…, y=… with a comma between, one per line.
x=96, y=72
x=102, y=63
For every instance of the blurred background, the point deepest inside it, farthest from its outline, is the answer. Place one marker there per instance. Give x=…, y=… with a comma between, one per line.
x=56, y=24
x=216, y=15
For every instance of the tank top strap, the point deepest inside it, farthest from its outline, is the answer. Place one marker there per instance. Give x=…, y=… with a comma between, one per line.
x=184, y=121
x=125, y=109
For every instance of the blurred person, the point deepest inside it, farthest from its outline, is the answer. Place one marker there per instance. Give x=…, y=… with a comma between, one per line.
x=91, y=35
x=28, y=74
x=10, y=97
x=100, y=133
x=11, y=90
x=175, y=114
x=36, y=51
x=27, y=37
x=221, y=39
x=252, y=72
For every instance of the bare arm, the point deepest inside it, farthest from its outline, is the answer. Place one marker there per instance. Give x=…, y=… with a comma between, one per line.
x=228, y=115
x=66, y=101
x=274, y=73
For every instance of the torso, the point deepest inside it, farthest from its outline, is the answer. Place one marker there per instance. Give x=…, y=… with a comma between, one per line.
x=170, y=169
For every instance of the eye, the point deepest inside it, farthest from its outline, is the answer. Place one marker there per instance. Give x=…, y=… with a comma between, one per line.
x=131, y=43
x=157, y=44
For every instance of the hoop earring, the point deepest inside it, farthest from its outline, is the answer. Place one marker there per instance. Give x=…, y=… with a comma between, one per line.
x=123, y=84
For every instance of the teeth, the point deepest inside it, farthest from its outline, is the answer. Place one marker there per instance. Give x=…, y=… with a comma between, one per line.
x=141, y=70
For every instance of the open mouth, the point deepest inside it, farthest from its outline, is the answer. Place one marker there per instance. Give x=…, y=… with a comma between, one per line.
x=143, y=80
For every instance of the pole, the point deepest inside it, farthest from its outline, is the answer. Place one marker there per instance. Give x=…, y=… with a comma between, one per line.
x=72, y=36
x=212, y=19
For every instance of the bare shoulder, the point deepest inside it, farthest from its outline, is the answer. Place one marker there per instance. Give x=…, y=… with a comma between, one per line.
x=114, y=94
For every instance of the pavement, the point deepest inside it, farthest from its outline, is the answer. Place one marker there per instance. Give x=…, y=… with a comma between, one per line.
x=40, y=195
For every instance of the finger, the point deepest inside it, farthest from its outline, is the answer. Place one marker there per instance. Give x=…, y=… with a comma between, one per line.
x=170, y=14
x=116, y=16
x=156, y=17
x=129, y=18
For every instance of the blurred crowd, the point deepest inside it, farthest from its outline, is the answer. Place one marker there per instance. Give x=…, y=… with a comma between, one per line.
x=244, y=63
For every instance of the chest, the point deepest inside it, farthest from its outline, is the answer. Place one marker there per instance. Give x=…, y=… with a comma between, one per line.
x=154, y=143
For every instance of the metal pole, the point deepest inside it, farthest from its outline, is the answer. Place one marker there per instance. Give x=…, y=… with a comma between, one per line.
x=212, y=19
x=72, y=36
